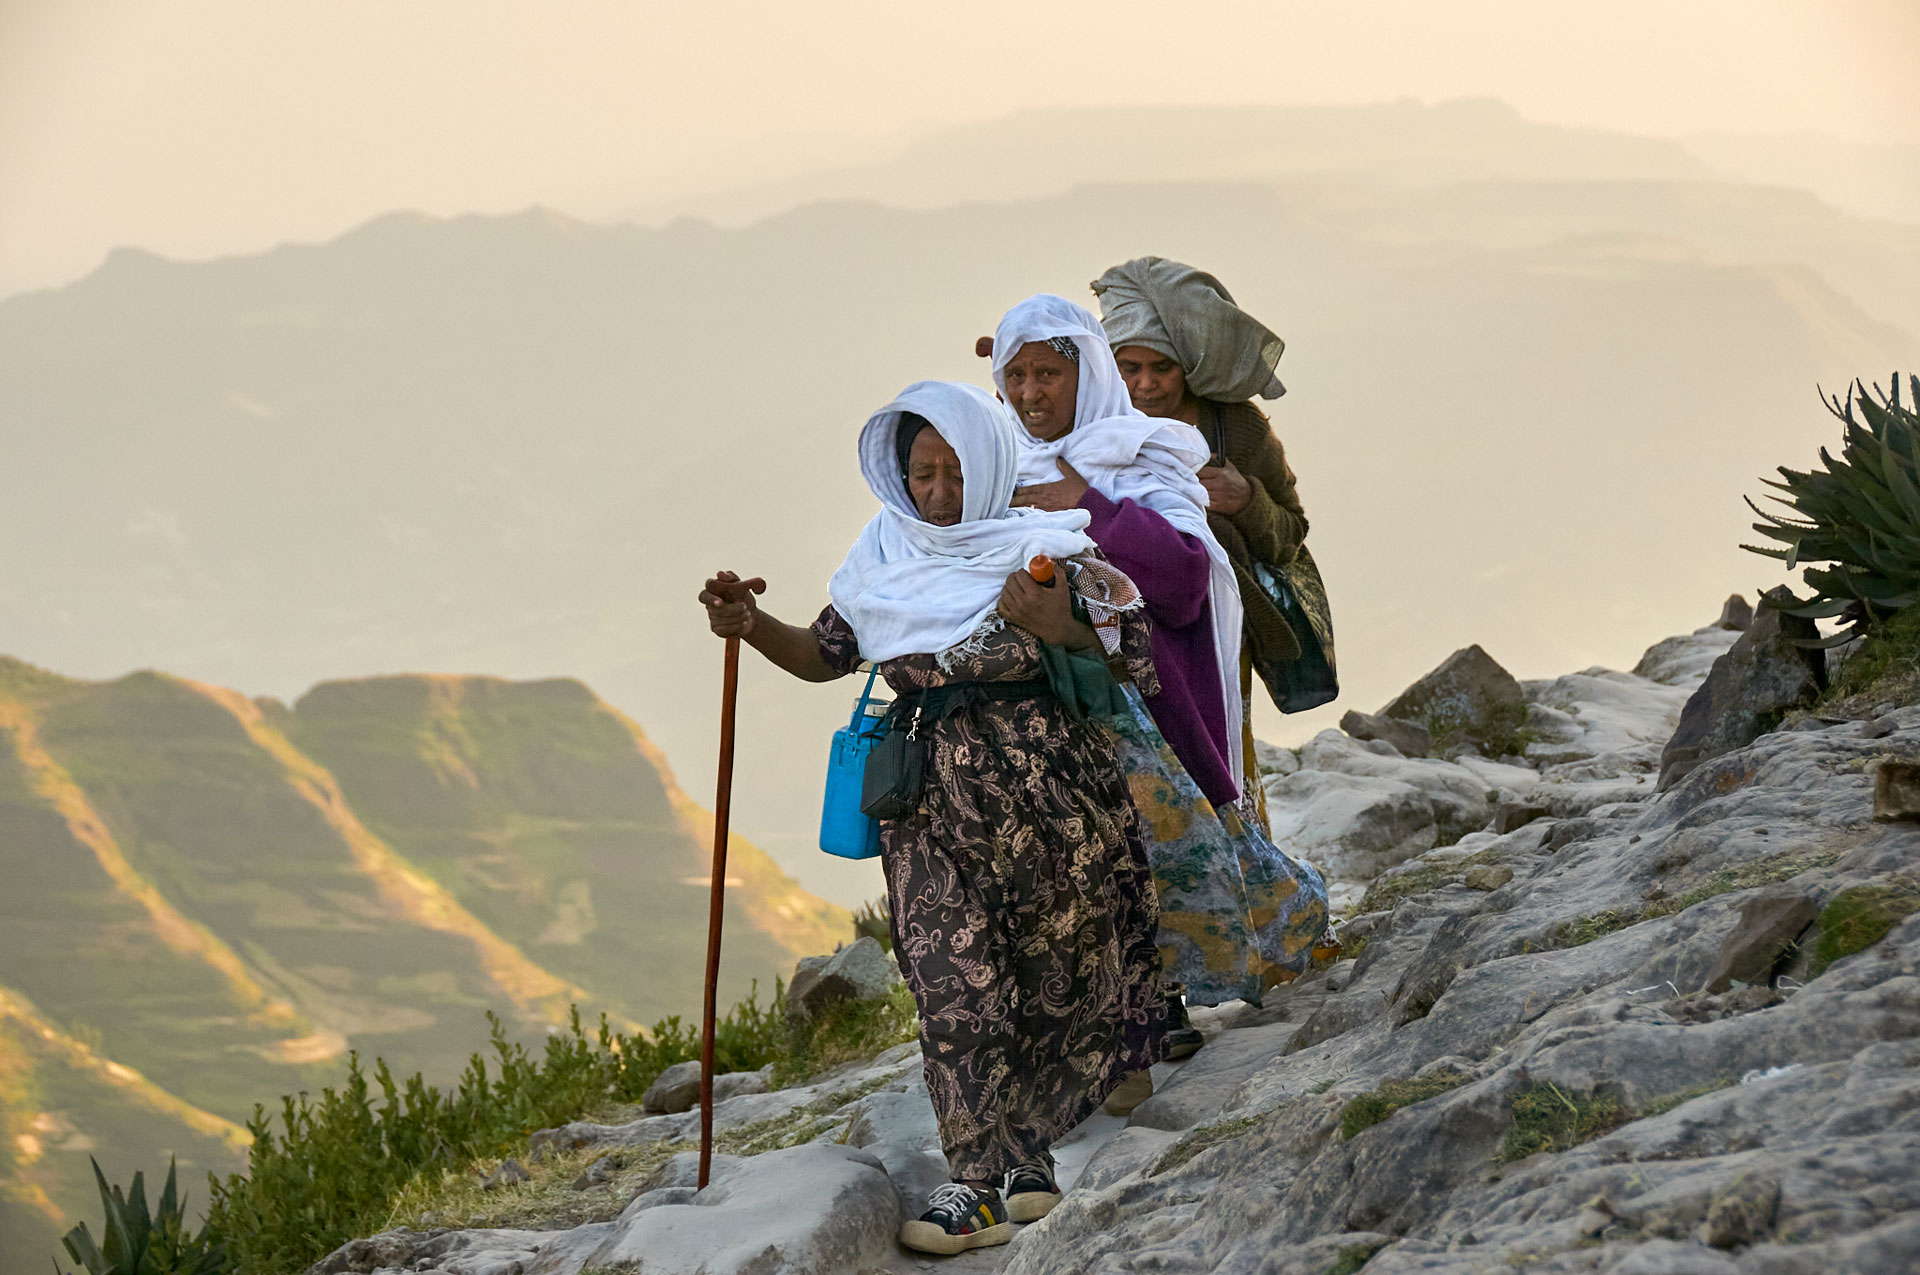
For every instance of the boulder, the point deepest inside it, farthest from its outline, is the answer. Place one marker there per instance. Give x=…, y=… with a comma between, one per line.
x=1271, y=759
x=1686, y=659
x=1353, y=812
x=860, y=971
x=1762, y=675
x=1463, y=699
x=1771, y=924
x=807, y=1210
x=1511, y=815
x=1411, y=738
x=676, y=1089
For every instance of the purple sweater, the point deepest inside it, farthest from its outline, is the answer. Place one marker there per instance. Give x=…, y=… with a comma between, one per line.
x=1172, y=571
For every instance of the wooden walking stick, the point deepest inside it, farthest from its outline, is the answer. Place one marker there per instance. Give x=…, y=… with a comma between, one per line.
x=722, y=800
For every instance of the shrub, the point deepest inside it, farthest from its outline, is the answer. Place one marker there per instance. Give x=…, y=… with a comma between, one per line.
x=1860, y=512
x=1856, y=919
x=336, y=1164
x=842, y=1031
x=135, y=1241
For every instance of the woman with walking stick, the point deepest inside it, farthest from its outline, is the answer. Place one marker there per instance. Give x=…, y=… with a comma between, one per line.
x=1022, y=908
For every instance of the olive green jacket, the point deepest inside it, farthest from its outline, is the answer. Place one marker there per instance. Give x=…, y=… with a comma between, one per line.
x=1270, y=529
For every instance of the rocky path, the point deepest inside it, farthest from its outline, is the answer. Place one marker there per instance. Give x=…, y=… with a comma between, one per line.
x=1584, y=1027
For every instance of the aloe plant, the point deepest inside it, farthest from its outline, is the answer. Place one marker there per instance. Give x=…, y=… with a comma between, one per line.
x=1859, y=512
x=139, y=1242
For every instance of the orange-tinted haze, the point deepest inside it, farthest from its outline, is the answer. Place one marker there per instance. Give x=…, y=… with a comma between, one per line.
x=209, y=126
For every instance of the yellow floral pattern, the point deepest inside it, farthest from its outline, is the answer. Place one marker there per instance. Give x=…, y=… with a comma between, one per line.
x=1237, y=913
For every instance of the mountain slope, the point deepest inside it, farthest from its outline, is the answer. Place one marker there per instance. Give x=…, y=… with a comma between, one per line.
x=61, y=1101
x=558, y=824
x=200, y=916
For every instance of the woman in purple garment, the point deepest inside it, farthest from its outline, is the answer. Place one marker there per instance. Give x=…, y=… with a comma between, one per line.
x=1236, y=914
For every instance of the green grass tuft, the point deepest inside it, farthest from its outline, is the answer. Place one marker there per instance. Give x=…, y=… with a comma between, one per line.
x=1501, y=730
x=1547, y=1118
x=1885, y=669
x=1353, y=1257
x=843, y=1032
x=1369, y=1109
x=1856, y=919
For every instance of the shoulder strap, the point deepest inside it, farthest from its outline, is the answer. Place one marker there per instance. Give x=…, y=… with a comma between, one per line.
x=1213, y=427
x=860, y=705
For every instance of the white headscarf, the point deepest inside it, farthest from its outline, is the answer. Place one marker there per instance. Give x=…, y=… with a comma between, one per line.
x=908, y=587
x=1125, y=454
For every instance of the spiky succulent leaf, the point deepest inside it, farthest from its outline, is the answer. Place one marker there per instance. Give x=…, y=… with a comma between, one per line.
x=1858, y=514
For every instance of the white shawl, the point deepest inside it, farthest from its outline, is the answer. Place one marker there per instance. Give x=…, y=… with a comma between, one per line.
x=1125, y=454
x=908, y=587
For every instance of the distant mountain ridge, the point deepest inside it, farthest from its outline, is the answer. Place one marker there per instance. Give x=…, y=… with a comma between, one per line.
x=210, y=899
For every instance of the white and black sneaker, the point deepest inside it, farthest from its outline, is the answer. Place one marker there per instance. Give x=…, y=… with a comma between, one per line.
x=1031, y=1192
x=959, y=1217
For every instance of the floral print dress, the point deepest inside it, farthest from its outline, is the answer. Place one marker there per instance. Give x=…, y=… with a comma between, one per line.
x=1022, y=905
x=1237, y=913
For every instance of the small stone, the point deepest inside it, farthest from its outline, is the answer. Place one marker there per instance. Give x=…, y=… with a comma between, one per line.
x=1741, y=1214
x=509, y=1172
x=1410, y=738
x=599, y=1173
x=1878, y=728
x=1488, y=876
x=1736, y=614
x=1596, y=1216
x=1896, y=790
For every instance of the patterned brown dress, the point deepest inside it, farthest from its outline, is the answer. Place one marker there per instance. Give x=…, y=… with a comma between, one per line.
x=1023, y=906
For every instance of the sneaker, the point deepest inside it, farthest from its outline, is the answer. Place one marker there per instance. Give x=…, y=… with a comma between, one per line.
x=1031, y=1192
x=1184, y=1042
x=1183, y=1038
x=1130, y=1093
x=959, y=1217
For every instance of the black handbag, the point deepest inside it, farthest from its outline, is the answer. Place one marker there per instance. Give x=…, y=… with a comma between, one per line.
x=1297, y=592
x=896, y=772
x=1307, y=676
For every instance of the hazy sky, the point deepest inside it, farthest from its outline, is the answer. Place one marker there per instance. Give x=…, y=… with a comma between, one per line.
x=199, y=127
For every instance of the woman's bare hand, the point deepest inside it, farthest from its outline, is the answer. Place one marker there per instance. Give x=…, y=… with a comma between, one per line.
x=1228, y=490
x=1046, y=612
x=1053, y=497
x=728, y=599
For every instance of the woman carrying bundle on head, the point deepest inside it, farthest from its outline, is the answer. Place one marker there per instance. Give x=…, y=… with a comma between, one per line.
x=1021, y=904
x=1236, y=914
x=1188, y=352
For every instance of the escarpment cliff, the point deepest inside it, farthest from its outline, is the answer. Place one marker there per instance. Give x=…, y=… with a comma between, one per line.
x=209, y=900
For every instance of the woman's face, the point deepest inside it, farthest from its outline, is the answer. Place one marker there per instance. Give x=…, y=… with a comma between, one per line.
x=1155, y=383
x=1042, y=387
x=933, y=478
